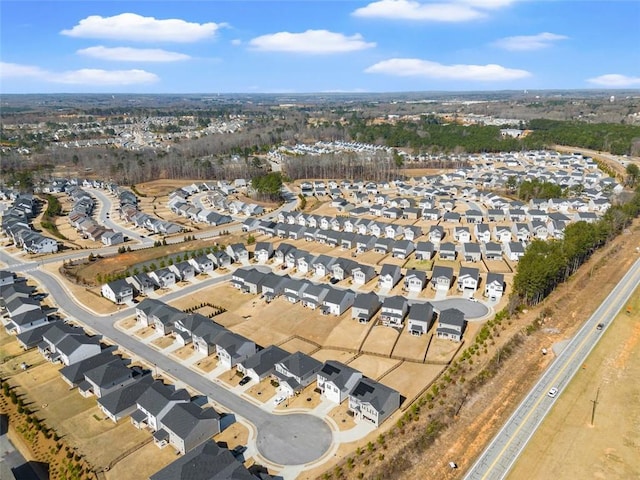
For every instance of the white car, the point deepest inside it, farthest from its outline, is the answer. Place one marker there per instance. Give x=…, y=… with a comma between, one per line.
x=553, y=392
x=279, y=399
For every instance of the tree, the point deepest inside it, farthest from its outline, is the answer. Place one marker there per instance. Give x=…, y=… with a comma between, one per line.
x=268, y=186
x=633, y=173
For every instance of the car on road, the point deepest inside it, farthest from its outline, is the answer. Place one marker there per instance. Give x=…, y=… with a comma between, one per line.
x=553, y=392
x=244, y=381
x=600, y=326
x=279, y=399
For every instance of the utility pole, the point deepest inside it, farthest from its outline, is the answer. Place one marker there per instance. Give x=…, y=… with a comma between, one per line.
x=595, y=402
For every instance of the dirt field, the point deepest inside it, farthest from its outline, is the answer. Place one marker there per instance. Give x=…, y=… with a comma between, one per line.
x=328, y=354
x=410, y=346
x=340, y=415
x=143, y=463
x=373, y=367
x=380, y=340
x=410, y=378
x=566, y=444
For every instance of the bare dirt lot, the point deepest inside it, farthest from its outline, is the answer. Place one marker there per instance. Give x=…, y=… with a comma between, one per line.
x=567, y=445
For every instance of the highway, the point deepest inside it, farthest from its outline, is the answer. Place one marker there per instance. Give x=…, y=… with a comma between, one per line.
x=498, y=458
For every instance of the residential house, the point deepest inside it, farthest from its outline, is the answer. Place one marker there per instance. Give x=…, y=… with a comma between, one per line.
x=183, y=271
x=362, y=274
x=336, y=381
x=365, y=306
x=425, y=250
x=238, y=252
x=110, y=237
x=461, y=234
x=372, y=401
x=420, y=318
x=262, y=363
x=232, y=349
x=492, y=251
x=142, y=284
x=482, y=232
x=263, y=252
x=513, y=250
x=186, y=426
x=313, y=296
x=295, y=372
x=118, y=291
x=163, y=278
x=105, y=379
x=448, y=251
x=122, y=402
x=494, y=287
x=337, y=301
x=393, y=311
x=202, y=264
x=389, y=276
x=415, y=280
x=403, y=248
x=441, y=278
x=451, y=324
x=155, y=403
x=468, y=279
x=471, y=252
x=436, y=234
x=272, y=285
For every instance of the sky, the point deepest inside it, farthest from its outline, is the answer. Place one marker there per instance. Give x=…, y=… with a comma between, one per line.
x=304, y=46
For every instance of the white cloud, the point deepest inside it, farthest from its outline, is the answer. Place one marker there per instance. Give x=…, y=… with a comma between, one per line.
x=412, y=10
x=413, y=67
x=438, y=11
x=127, y=54
x=91, y=76
x=236, y=41
x=8, y=70
x=130, y=26
x=615, y=80
x=529, y=42
x=79, y=77
x=311, y=41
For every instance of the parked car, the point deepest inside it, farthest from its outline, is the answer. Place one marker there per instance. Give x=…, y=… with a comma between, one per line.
x=279, y=399
x=244, y=380
x=553, y=392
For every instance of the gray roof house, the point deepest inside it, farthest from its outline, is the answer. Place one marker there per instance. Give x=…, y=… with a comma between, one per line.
x=142, y=284
x=206, y=461
x=122, y=402
x=471, y=252
x=272, y=285
x=451, y=324
x=389, y=276
x=74, y=373
x=393, y=311
x=415, y=280
x=365, y=306
x=154, y=404
x=441, y=278
x=296, y=372
x=163, y=277
x=186, y=425
x=425, y=250
x=313, y=296
x=263, y=252
x=372, y=401
x=118, y=291
x=262, y=363
x=294, y=288
x=362, y=274
x=232, y=348
x=468, y=279
x=448, y=251
x=184, y=271
x=105, y=379
x=420, y=318
x=403, y=248
x=336, y=381
x=202, y=264
x=337, y=301
x=494, y=287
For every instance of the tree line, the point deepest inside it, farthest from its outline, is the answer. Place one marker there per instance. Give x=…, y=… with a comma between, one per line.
x=546, y=264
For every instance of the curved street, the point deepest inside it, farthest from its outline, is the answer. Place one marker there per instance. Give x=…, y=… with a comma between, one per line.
x=498, y=458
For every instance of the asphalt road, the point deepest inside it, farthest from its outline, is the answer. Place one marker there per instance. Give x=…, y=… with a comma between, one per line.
x=498, y=458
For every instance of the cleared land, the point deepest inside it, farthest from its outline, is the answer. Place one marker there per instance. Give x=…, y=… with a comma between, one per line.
x=567, y=444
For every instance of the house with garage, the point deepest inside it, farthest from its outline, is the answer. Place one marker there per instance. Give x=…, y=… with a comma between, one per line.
x=232, y=349
x=373, y=402
x=202, y=264
x=383, y=245
x=502, y=233
x=336, y=381
x=494, y=287
x=293, y=289
x=183, y=271
x=389, y=276
x=263, y=252
x=253, y=282
x=420, y=318
x=448, y=251
x=365, y=306
x=163, y=278
x=441, y=278
x=425, y=250
x=304, y=262
x=146, y=308
x=221, y=259
x=415, y=280
x=238, y=278
x=295, y=372
x=336, y=302
x=411, y=233
x=468, y=279
x=110, y=237
x=471, y=252
x=26, y=320
x=142, y=284
x=393, y=231
x=474, y=216
x=322, y=265
x=280, y=252
x=204, y=337
x=66, y=344
x=155, y=403
x=262, y=363
x=118, y=291
x=186, y=426
x=521, y=232
x=364, y=243
x=342, y=268
x=451, y=324
x=238, y=253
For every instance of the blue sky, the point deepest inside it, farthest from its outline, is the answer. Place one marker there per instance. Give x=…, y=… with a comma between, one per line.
x=317, y=46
